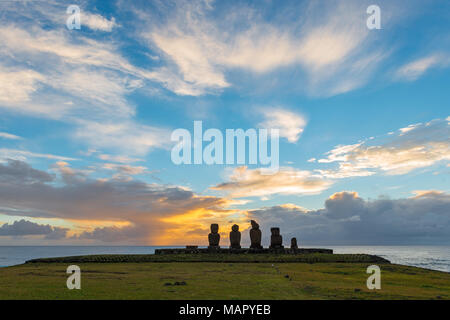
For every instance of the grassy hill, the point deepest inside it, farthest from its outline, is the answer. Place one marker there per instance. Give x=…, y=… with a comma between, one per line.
x=315, y=277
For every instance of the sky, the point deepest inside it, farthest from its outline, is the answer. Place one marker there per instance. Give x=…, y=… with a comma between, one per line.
x=86, y=118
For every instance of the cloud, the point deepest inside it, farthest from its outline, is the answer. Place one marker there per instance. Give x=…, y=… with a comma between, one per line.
x=162, y=213
x=17, y=85
x=118, y=158
x=6, y=135
x=77, y=80
x=57, y=44
x=413, y=147
x=114, y=234
x=101, y=90
x=348, y=219
x=87, y=71
x=151, y=213
x=26, y=228
x=97, y=22
x=415, y=69
x=202, y=45
x=16, y=154
x=15, y=171
x=124, y=171
x=409, y=128
x=68, y=174
x=244, y=182
x=291, y=125
x=127, y=137
x=188, y=56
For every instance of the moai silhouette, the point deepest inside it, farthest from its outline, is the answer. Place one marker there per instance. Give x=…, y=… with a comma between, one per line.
x=255, y=236
x=276, y=240
x=214, y=237
x=235, y=237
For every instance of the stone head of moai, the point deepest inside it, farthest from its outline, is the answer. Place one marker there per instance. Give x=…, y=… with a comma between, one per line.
x=214, y=228
x=255, y=225
x=235, y=237
x=276, y=240
x=214, y=236
x=255, y=236
x=294, y=243
x=275, y=231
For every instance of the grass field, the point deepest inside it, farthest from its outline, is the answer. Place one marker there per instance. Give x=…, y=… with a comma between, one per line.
x=226, y=280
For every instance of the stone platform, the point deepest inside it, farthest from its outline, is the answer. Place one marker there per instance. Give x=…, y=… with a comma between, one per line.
x=195, y=250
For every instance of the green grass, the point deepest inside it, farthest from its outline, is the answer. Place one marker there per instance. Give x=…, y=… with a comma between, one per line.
x=209, y=280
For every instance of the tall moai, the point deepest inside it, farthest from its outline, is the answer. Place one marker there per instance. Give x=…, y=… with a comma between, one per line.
x=276, y=240
x=235, y=237
x=255, y=236
x=214, y=237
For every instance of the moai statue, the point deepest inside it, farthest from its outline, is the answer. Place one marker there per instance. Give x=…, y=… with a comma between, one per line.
x=276, y=240
x=214, y=237
x=235, y=237
x=255, y=236
x=294, y=244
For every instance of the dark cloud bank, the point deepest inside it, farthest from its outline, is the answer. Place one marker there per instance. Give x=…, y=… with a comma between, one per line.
x=26, y=228
x=350, y=220
x=28, y=192
x=345, y=219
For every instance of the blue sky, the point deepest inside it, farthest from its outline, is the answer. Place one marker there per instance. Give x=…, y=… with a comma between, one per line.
x=363, y=118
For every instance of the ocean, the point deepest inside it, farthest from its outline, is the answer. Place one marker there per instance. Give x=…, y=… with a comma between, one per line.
x=430, y=257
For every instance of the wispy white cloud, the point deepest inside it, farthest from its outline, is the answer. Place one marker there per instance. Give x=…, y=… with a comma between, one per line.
x=17, y=85
x=244, y=182
x=290, y=124
x=118, y=158
x=332, y=47
x=339, y=153
x=58, y=44
x=413, y=147
x=6, y=135
x=22, y=155
x=409, y=128
x=415, y=69
x=127, y=137
x=189, y=57
x=52, y=55
x=97, y=22
x=82, y=81
x=125, y=169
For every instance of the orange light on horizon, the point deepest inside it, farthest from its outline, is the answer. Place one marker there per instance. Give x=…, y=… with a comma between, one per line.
x=193, y=227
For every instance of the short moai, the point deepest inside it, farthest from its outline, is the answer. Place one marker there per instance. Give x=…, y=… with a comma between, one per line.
x=214, y=237
x=276, y=240
x=235, y=237
x=294, y=245
x=255, y=236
